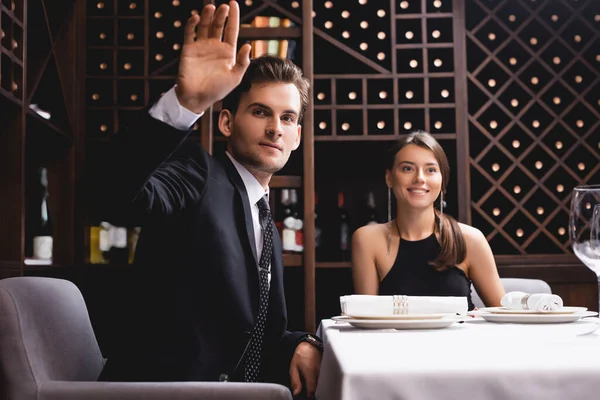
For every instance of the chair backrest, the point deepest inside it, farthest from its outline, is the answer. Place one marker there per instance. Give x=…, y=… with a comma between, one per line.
x=45, y=335
x=515, y=285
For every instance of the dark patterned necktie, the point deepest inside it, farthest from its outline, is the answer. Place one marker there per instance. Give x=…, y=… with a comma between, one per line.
x=252, y=369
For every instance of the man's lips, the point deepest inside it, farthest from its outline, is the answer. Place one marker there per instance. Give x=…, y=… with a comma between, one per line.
x=272, y=145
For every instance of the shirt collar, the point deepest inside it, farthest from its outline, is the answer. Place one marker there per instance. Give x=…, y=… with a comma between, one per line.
x=253, y=187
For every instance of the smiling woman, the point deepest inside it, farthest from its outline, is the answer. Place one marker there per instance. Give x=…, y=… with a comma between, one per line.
x=422, y=252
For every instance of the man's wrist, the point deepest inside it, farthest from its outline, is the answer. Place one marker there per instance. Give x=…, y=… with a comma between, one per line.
x=313, y=341
x=193, y=104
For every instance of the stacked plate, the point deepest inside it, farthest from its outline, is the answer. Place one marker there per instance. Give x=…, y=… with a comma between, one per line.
x=560, y=316
x=401, y=321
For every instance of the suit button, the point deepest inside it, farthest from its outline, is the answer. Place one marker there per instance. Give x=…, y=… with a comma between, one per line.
x=223, y=378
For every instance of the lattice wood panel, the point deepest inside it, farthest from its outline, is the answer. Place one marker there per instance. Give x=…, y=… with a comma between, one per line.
x=534, y=117
x=383, y=69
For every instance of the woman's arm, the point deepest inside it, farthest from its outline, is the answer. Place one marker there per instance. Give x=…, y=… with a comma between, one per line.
x=364, y=270
x=482, y=267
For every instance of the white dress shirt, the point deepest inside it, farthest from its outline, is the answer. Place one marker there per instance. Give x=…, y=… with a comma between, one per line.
x=168, y=110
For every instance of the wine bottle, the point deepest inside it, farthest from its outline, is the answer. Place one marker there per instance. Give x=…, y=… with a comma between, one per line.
x=343, y=230
x=133, y=237
x=297, y=213
x=288, y=232
x=318, y=230
x=42, y=234
x=371, y=210
x=283, y=210
x=96, y=256
x=118, y=253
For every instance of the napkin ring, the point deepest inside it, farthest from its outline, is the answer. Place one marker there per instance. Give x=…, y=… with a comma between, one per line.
x=524, y=299
x=400, y=304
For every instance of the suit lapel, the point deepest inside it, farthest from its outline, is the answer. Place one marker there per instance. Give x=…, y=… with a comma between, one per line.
x=239, y=185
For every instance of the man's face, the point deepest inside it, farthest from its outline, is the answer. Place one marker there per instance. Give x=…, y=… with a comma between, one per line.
x=264, y=130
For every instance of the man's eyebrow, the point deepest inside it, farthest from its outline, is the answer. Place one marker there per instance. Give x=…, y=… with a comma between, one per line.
x=266, y=107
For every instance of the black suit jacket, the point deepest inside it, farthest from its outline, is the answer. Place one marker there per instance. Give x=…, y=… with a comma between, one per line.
x=196, y=295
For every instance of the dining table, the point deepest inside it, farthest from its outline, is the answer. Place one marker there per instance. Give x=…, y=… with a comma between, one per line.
x=470, y=359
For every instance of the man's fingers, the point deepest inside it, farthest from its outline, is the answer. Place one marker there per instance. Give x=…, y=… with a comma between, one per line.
x=205, y=19
x=218, y=22
x=190, y=29
x=311, y=380
x=242, y=60
x=233, y=24
x=295, y=380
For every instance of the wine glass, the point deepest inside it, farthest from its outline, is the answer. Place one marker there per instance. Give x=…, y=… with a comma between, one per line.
x=595, y=230
x=584, y=226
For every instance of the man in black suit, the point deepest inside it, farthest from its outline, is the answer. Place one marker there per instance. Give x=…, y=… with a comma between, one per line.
x=208, y=303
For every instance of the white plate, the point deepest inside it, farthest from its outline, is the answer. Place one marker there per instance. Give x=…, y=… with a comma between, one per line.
x=563, y=310
x=399, y=324
x=401, y=316
x=535, y=318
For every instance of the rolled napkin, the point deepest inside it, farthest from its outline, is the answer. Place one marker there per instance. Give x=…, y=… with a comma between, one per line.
x=388, y=306
x=535, y=301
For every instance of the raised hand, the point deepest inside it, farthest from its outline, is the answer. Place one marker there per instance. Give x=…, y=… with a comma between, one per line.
x=209, y=68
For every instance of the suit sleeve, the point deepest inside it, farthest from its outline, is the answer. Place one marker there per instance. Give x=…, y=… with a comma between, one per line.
x=147, y=170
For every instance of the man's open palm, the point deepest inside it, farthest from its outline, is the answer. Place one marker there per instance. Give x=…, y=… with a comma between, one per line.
x=209, y=68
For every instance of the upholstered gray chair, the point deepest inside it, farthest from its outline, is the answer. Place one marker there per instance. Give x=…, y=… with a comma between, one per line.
x=515, y=285
x=48, y=351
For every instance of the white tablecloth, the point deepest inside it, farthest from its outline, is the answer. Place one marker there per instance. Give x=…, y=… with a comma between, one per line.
x=472, y=360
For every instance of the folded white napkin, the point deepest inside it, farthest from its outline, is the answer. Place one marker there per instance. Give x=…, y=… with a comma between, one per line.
x=387, y=306
x=535, y=301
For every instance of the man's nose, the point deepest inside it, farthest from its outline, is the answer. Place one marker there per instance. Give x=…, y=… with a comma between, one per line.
x=274, y=127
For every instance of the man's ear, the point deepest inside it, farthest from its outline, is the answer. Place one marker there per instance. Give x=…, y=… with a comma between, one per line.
x=226, y=122
x=297, y=142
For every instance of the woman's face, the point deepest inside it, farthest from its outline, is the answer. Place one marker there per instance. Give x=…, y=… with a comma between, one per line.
x=415, y=178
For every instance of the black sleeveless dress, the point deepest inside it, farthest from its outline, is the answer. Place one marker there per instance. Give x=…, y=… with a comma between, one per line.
x=412, y=275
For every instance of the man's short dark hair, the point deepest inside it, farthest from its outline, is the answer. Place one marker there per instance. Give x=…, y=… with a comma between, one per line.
x=270, y=69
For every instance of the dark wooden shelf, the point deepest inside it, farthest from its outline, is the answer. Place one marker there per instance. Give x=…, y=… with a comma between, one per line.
x=285, y=181
x=33, y=117
x=419, y=46
x=333, y=264
x=120, y=266
x=374, y=138
x=292, y=260
x=120, y=48
x=12, y=56
x=424, y=15
x=410, y=106
x=98, y=139
x=108, y=17
x=133, y=77
x=10, y=97
x=12, y=15
x=270, y=33
x=111, y=108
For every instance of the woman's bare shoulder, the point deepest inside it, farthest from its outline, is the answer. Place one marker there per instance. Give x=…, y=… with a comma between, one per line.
x=371, y=229
x=470, y=233
x=370, y=235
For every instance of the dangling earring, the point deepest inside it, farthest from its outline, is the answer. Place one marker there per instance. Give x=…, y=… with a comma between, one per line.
x=389, y=215
x=441, y=209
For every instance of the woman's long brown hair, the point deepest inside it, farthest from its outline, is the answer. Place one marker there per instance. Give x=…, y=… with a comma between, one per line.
x=453, y=247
